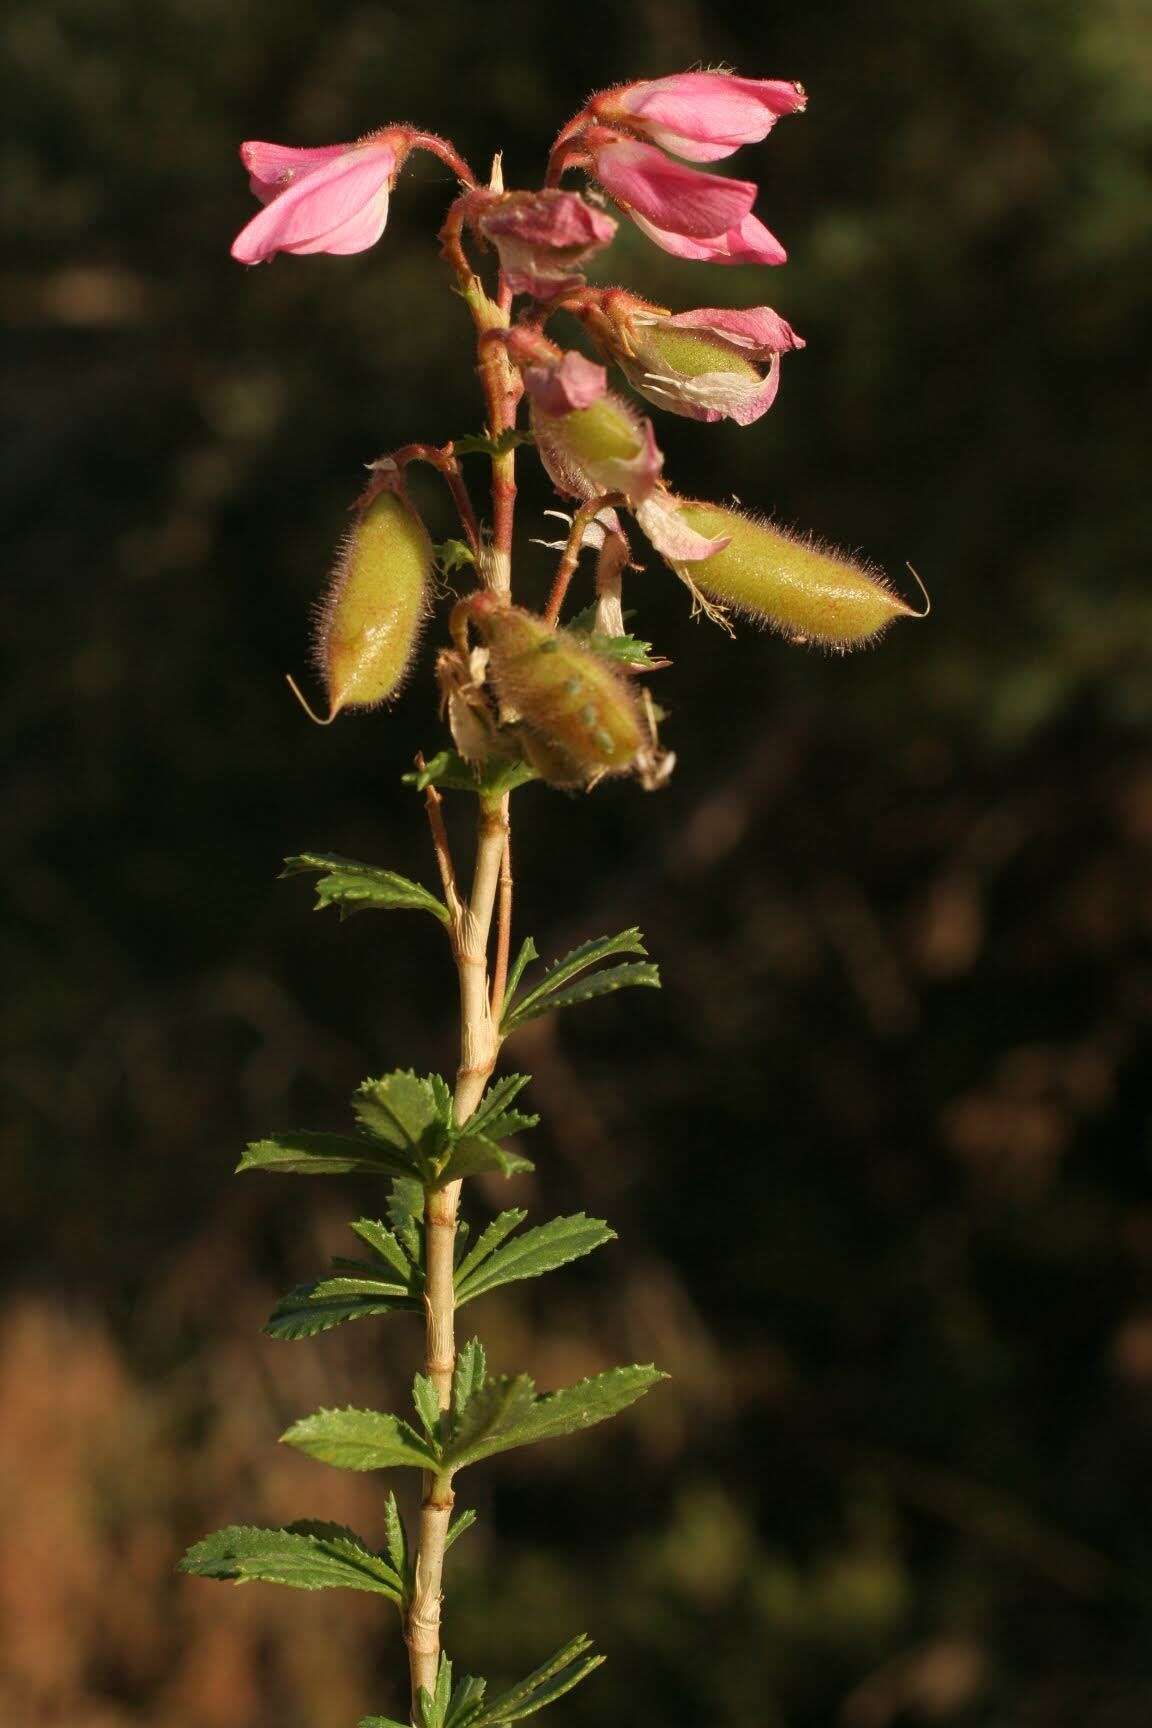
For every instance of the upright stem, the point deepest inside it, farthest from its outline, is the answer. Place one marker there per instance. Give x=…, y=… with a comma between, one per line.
x=479, y=1045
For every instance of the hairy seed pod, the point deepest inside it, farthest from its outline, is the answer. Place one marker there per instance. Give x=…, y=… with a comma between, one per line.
x=578, y=717
x=805, y=590
x=371, y=619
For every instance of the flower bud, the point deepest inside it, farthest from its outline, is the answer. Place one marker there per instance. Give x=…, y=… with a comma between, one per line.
x=578, y=718
x=544, y=238
x=371, y=619
x=803, y=589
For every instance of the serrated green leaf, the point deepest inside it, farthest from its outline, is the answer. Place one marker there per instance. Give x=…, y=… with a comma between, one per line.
x=492, y=1116
x=454, y=774
x=506, y=1413
x=404, y=1112
x=475, y=1155
x=304, y=1556
x=360, y=1440
x=452, y=555
x=427, y=1402
x=469, y=1374
x=381, y=1722
x=595, y=984
x=354, y=887
x=487, y=1243
x=483, y=444
x=306, y=1154
x=389, y=1247
x=463, y=1521
x=538, y=999
x=396, y=1537
x=550, y=1681
x=313, y=1308
x=499, y=1406
x=535, y=1252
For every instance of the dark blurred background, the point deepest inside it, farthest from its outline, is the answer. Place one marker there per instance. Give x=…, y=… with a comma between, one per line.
x=878, y=1154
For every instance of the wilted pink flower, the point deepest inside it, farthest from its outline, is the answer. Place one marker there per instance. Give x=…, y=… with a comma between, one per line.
x=700, y=115
x=709, y=364
x=574, y=382
x=331, y=199
x=693, y=215
x=659, y=516
x=544, y=238
x=589, y=440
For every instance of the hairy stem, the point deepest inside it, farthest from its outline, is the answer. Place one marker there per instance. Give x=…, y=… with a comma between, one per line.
x=479, y=1045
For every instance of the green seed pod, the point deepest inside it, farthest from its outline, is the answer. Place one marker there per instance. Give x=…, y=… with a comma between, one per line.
x=805, y=590
x=577, y=715
x=370, y=621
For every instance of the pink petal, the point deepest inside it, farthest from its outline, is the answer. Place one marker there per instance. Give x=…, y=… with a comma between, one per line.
x=671, y=535
x=273, y=167
x=756, y=328
x=706, y=115
x=646, y=183
x=749, y=243
x=341, y=206
x=575, y=383
x=738, y=398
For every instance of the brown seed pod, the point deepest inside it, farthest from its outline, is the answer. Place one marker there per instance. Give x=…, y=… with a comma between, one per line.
x=806, y=591
x=578, y=717
x=371, y=619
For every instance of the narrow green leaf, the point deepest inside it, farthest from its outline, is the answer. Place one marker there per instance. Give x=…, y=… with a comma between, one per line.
x=463, y=1521
x=396, y=1537
x=443, y=1694
x=360, y=1440
x=487, y=1243
x=475, y=1156
x=384, y=1243
x=528, y=952
x=585, y=989
x=427, y=1715
x=506, y=1414
x=547, y=1683
x=313, y=1308
x=540, y=998
x=493, y=1118
x=536, y=1251
x=467, y=1704
x=353, y=887
x=427, y=1403
x=307, y=1154
x=469, y=1374
x=304, y=1556
x=381, y=1722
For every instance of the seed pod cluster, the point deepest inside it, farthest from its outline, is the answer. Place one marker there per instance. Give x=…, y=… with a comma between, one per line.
x=578, y=718
x=806, y=591
x=371, y=619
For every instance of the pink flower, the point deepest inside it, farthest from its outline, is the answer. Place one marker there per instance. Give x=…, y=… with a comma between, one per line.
x=544, y=238
x=700, y=115
x=659, y=516
x=709, y=364
x=331, y=199
x=690, y=214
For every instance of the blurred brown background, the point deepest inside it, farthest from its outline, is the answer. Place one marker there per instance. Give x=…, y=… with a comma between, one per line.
x=878, y=1154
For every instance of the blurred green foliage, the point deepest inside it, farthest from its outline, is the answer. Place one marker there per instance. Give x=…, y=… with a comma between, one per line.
x=895, y=1081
